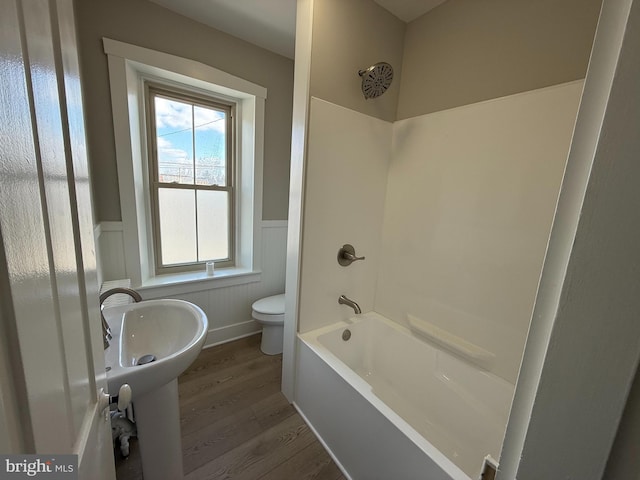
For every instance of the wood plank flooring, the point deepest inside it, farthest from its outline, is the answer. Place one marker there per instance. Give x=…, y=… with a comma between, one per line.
x=237, y=425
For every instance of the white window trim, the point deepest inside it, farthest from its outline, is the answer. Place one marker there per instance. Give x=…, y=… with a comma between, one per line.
x=129, y=66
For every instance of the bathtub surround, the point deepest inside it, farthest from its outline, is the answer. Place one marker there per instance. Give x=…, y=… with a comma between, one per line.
x=468, y=197
x=347, y=161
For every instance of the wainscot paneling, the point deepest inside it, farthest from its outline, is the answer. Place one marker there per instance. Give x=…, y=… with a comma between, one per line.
x=110, y=251
x=228, y=307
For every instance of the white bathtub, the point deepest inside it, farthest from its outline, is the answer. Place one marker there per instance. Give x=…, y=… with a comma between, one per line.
x=390, y=405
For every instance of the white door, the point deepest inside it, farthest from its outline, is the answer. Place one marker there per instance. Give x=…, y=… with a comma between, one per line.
x=51, y=355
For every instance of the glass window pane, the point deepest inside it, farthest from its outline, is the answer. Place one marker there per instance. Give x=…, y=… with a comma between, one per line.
x=210, y=146
x=177, y=225
x=213, y=224
x=174, y=140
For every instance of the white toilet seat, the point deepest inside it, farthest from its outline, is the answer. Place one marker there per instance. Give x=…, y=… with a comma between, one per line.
x=269, y=312
x=269, y=308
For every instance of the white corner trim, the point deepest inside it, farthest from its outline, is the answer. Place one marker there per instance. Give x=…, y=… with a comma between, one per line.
x=179, y=65
x=300, y=119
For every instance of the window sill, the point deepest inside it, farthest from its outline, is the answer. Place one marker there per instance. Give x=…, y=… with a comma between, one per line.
x=190, y=282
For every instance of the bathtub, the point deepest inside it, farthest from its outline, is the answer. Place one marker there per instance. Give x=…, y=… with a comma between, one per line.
x=390, y=405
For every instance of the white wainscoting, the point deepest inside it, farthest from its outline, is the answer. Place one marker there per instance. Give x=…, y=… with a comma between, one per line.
x=110, y=251
x=227, y=307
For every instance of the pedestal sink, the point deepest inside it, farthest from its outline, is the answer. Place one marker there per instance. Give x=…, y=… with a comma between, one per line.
x=171, y=332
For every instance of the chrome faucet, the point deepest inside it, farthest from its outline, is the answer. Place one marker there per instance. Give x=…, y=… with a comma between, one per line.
x=342, y=300
x=106, y=330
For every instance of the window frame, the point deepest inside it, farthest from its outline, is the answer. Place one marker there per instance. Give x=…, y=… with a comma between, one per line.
x=129, y=65
x=151, y=90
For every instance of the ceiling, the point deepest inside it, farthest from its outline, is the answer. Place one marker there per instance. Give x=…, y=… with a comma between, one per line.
x=271, y=24
x=409, y=10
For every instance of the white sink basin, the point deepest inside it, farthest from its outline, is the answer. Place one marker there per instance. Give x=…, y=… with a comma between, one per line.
x=173, y=331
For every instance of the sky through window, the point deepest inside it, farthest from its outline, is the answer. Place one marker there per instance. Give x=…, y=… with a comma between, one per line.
x=191, y=142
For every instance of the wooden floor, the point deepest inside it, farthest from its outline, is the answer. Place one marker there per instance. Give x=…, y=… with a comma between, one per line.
x=236, y=424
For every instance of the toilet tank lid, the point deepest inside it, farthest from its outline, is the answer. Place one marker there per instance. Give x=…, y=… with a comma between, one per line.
x=270, y=305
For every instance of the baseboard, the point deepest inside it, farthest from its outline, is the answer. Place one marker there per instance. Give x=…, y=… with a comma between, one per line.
x=217, y=336
x=322, y=442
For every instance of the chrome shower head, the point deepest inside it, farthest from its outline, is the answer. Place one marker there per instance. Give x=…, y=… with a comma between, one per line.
x=376, y=79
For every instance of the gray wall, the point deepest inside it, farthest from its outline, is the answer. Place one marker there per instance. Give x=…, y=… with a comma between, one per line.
x=146, y=24
x=462, y=52
x=624, y=462
x=349, y=35
x=466, y=51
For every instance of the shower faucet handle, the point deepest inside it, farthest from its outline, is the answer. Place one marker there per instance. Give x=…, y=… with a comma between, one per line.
x=350, y=256
x=347, y=255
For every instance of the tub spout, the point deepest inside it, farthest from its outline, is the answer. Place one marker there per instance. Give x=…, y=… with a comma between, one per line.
x=342, y=300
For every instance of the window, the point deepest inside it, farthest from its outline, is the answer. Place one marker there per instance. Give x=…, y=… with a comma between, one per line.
x=191, y=178
x=132, y=71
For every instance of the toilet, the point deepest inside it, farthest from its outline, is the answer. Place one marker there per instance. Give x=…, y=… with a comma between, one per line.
x=269, y=312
